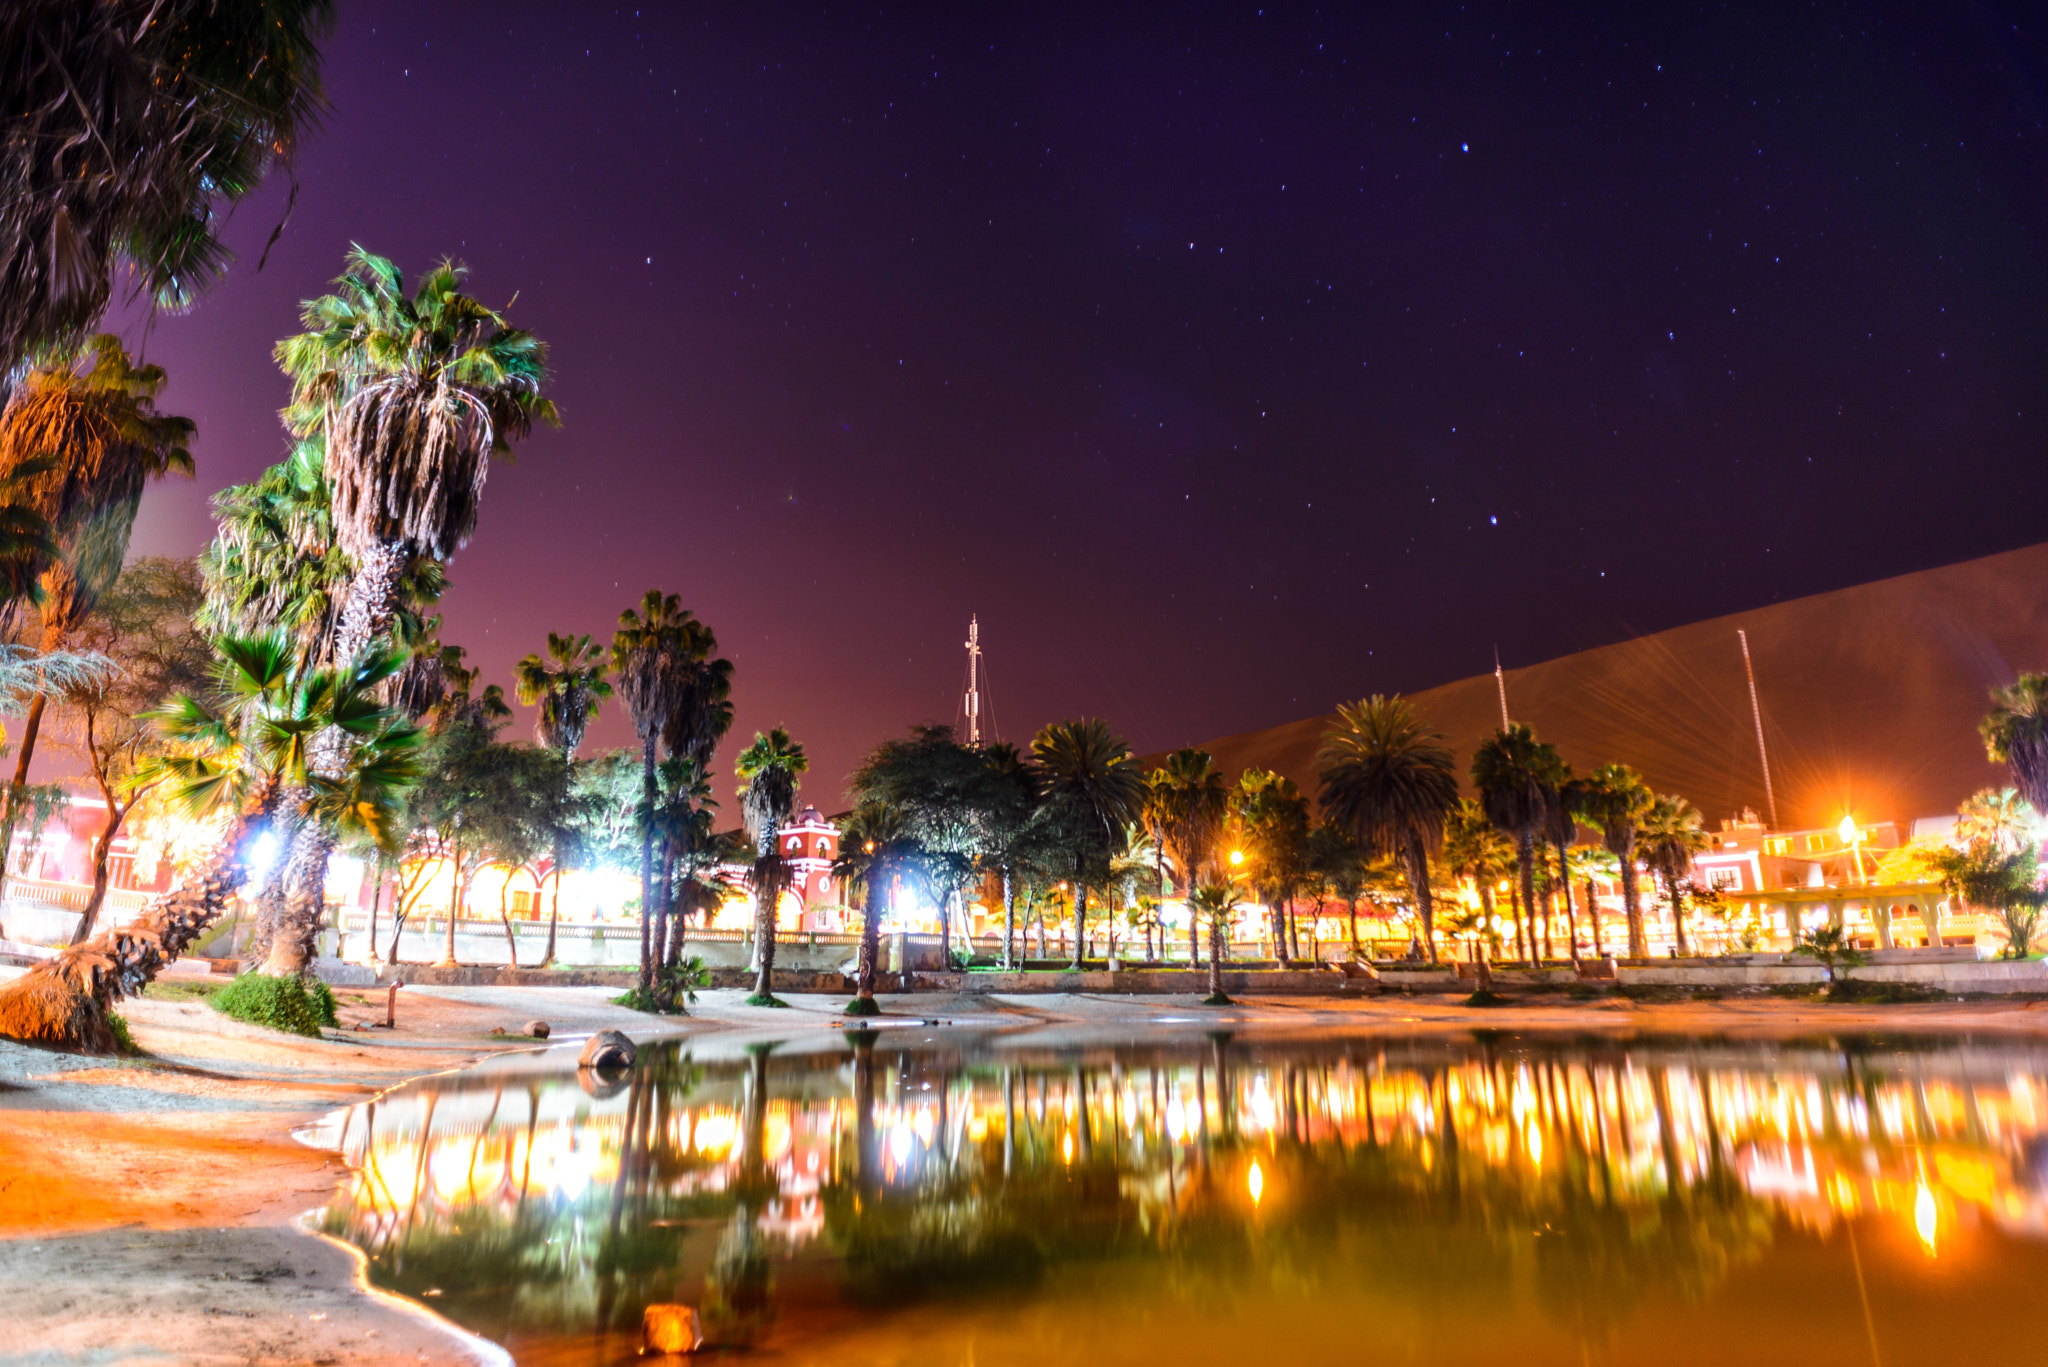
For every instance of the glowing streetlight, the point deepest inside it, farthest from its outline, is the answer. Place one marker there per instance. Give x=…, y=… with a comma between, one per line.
x=1236, y=858
x=1924, y=1216
x=1851, y=837
x=1256, y=1181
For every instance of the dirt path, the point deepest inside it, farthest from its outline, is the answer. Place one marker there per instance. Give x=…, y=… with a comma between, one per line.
x=149, y=1207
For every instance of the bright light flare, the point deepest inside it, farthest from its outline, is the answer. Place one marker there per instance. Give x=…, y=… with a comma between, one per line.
x=1256, y=1181
x=1925, y=1217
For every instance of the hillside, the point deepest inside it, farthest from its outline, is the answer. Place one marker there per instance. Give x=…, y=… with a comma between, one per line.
x=1871, y=697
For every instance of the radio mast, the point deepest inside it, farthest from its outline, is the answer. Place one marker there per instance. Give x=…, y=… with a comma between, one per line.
x=1756, y=711
x=1500, y=681
x=971, y=704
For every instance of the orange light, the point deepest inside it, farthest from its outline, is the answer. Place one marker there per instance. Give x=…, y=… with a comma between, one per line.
x=1237, y=857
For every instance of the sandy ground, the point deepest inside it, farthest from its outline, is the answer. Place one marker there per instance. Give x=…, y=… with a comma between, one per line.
x=149, y=1207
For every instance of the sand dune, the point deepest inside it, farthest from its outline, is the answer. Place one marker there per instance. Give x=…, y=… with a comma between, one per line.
x=1871, y=697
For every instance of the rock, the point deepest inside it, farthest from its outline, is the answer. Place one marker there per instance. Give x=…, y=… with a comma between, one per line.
x=608, y=1049
x=670, y=1329
x=537, y=1029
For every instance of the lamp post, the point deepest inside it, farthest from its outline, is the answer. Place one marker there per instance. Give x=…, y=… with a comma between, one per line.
x=1853, y=839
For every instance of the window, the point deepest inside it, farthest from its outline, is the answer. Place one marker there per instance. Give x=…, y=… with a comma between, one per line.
x=1815, y=843
x=524, y=903
x=796, y=842
x=1724, y=880
x=1781, y=846
x=824, y=850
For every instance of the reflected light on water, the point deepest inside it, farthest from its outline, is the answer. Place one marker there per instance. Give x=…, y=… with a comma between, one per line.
x=1516, y=1189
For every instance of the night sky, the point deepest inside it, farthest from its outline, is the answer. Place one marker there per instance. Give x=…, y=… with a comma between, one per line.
x=1227, y=366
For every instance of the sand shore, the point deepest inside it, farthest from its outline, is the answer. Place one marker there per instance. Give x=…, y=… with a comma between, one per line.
x=149, y=1207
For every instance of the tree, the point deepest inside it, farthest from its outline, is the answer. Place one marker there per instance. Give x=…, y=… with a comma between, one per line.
x=1011, y=803
x=130, y=127
x=768, y=771
x=145, y=626
x=2016, y=735
x=569, y=687
x=1215, y=902
x=83, y=433
x=649, y=651
x=1090, y=789
x=1517, y=776
x=1387, y=778
x=1338, y=865
x=875, y=848
x=1672, y=832
x=1615, y=799
x=1830, y=946
x=233, y=760
x=1191, y=803
x=1273, y=818
x=1994, y=863
x=1475, y=849
x=412, y=395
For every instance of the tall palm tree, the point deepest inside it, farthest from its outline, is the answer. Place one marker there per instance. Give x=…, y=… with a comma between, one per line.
x=83, y=433
x=1193, y=802
x=1092, y=788
x=1387, y=777
x=1517, y=777
x=768, y=771
x=1671, y=833
x=233, y=763
x=1339, y=866
x=412, y=394
x=648, y=654
x=1012, y=801
x=1615, y=799
x=130, y=127
x=569, y=687
x=2016, y=735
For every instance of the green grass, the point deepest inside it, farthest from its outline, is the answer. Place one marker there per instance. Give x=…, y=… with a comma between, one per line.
x=204, y=990
x=1217, y=999
x=862, y=1006
x=766, y=999
x=123, y=1041
x=1484, y=998
x=281, y=1003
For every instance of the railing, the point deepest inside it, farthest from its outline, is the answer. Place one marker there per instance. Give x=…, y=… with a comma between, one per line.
x=596, y=932
x=75, y=895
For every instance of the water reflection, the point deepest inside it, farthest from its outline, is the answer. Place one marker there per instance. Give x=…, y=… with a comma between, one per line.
x=893, y=1199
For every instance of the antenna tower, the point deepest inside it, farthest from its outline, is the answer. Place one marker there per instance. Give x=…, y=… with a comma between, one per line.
x=971, y=704
x=1757, y=713
x=1500, y=681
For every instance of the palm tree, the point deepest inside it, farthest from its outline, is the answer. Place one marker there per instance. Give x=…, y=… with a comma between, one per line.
x=1092, y=789
x=2016, y=735
x=129, y=130
x=569, y=687
x=1516, y=776
x=875, y=848
x=648, y=654
x=1474, y=848
x=1213, y=902
x=1672, y=832
x=768, y=771
x=233, y=764
x=1387, y=778
x=1012, y=801
x=1615, y=799
x=1193, y=802
x=413, y=395
x=83, y=434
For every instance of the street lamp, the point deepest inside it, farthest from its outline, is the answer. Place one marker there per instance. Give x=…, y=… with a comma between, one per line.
x=1852, y=838
x=1236, y=858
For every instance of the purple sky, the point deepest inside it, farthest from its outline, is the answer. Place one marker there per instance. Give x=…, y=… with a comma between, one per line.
x=1227, y=366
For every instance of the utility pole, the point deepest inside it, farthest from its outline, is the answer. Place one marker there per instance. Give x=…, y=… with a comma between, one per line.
x=972, y=703
x=1756, y=712
x=1500, y=681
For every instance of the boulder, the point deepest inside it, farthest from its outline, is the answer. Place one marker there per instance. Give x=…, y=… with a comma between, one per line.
x=536, y=1029
x=608, y=1049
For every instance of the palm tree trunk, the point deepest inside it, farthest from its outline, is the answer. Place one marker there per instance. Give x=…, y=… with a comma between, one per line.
x=65, y=1002
x=1417, y=866
x=554, y=916
x=647, y=862
x=1671, y=886
x=102, y=847
x=1351, y=904
x=1515, y=915
x=1593, y=915
x=1564, y=889
x=767, y=889
x=1525, y=859
x=870, y=937
x=1632, y=905
x=454, y=901
x=1009, y=919
x=1080, y=921
x=1215, y=955
x=1187, y=897
x=294, y=944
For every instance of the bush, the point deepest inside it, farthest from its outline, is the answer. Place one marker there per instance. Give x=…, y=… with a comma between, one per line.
x=123, y=1041
x=282, y=1003
x=674, y=990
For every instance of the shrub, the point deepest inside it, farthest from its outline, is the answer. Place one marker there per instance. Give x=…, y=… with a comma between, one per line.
x=674, y=990
x=123, y=1041
x=281, y=1003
